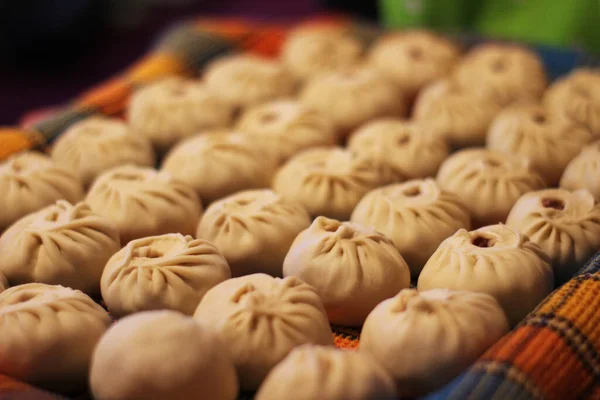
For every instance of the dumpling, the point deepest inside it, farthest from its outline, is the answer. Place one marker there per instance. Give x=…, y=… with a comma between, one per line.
x=62, y=244
x=488, y=182
x=583, y=172
x=426, y=338
x=218, y=164
x=286, y=127
x=48, y=334
x=454, y=114
x=402, y=149
x=327, y=182
x=254, y=230
x=97, y=144
x=416, y=215
x=547, y=142
x=413, y=59
x=244, y=80
x=31, y=181
x=566, y=225
x=3, y=283
x=312, y=50
x=173, y=109
x=261, y=319
x=496, y=260
x=319, y=372
x=161, y=355
x=353, y=96
x=144, y=202
x=353, y=268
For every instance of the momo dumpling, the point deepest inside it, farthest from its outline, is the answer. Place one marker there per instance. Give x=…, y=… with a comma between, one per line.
x=286, y=127
x=320, y=372
x=172, y=109
x=253, y=229
x=3, y=283
x=260, y=319
x=488, y=182
x=62, y=244
x=496, y=260
x=353, y=268
x=51, y=331
x=416, y=215
x=402, y=150
x=170, y=271
x=31, y=181
x=161, y=355
x=566, y=225
x=583, y=172
x=97, y=144
x=433, y=335
x=218, y=164
x=328, y=182
x=144, y=202
x=547, y=142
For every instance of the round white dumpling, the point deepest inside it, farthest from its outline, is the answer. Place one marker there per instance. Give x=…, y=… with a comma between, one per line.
x=496, y=260
x=583, y=172
x=161, y=355
x=353, y=268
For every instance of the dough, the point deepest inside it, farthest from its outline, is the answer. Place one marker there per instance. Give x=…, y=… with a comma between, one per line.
x=353, y=268
x=161, y=355
x=583, y=172
x=416, y=215
x=3, y=283
x=254, y=230
x=31, y=181
x=318, y=372
x=48, y=334
x=63, y=244
x=144, y=202
x=496, y=260
x=261, y=319
x=327, y=182
x=427, y=338
x=566, y=225
x=488, y=182
x=97, y=144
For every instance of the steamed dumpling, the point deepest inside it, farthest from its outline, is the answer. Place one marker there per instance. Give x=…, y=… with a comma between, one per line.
x=31, y=181
x=97, y=144
x=3, y=283
x=426, y=338
x=353, y=268
x=416, y=215
x=566, y=225
x=260, y=319
x=48, y=334
x=62, y=244
x=319, y=372
x=254, y=230
x=583, y=172
x=170, y=271
x=488, y=182
x=144, y=202
x=496, y=260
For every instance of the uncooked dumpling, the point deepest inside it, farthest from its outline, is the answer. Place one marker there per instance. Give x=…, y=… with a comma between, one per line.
x=583, y=172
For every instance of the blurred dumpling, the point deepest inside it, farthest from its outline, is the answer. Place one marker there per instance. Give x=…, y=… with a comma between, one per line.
x=427, y=338
x=97, y=144
x=327, y=182
x=496, y=260
x=170, y=271
x=488, y=182
x=260, y=319
x=319, y=372
x=416, y=215
x=253, y=229
x=48, y=334
x=144, y=202
x=3, y=283
x=218, y=164
x=566, y=225
x=583, y=172
x=31, y=181
x=62, y=244
x=353, y=268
